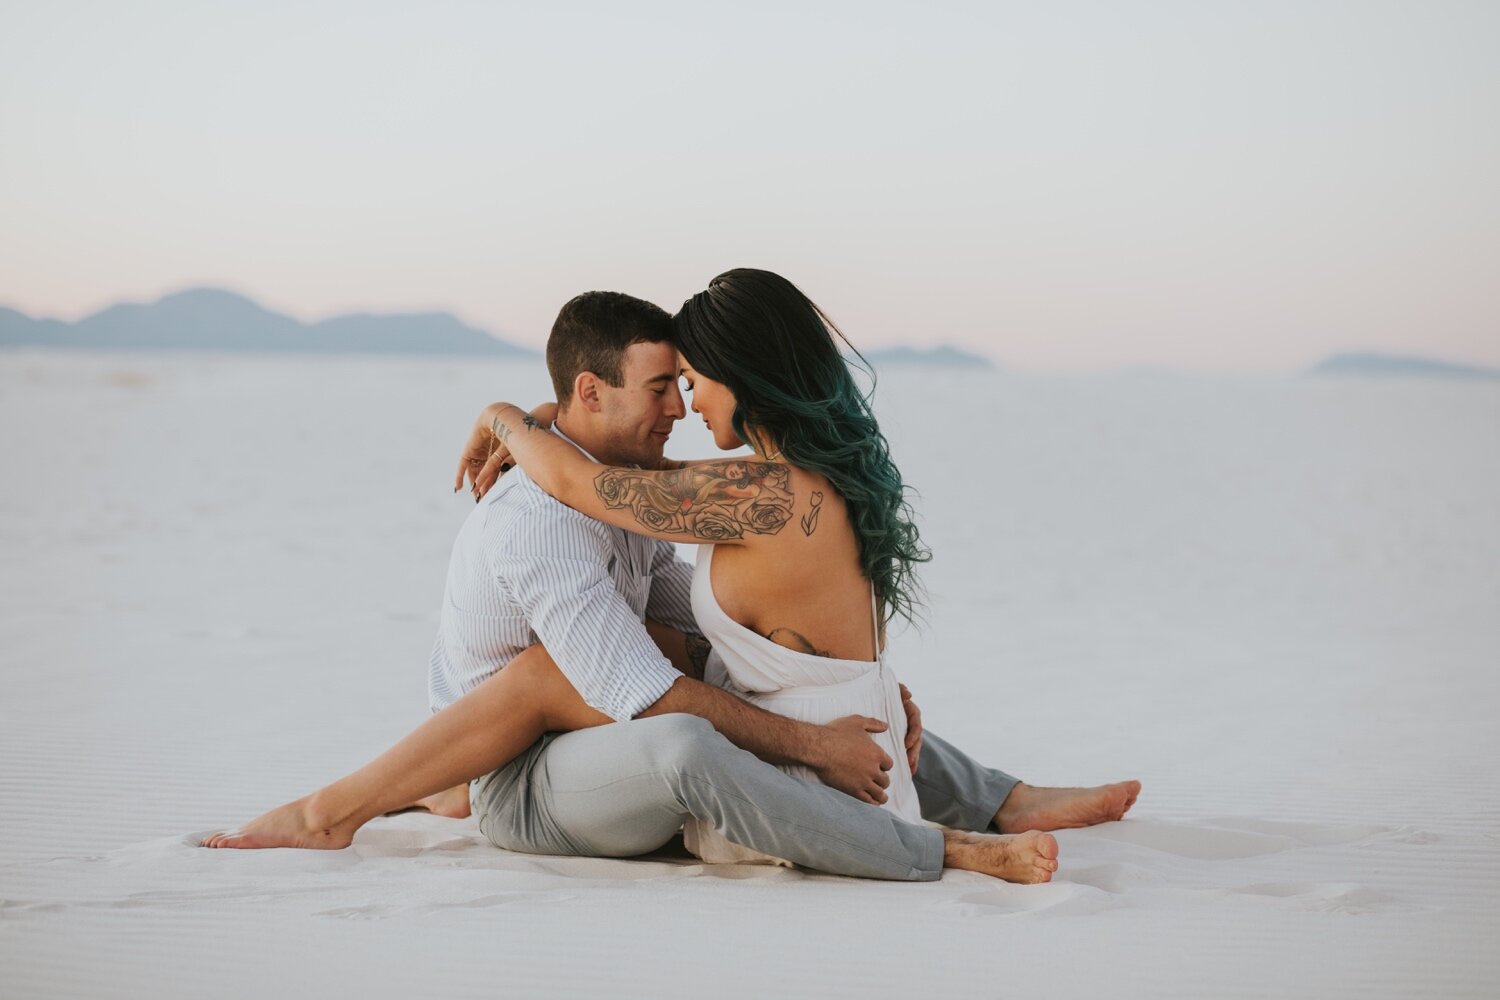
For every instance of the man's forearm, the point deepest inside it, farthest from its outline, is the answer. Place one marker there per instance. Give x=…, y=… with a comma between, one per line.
x=773, y=738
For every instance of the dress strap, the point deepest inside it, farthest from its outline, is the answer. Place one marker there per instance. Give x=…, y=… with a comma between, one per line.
x=875, y=625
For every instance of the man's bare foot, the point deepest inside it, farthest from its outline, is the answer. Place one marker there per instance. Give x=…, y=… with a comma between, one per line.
x=1029, y=808
x=1027, y=858
x=453, y=803
x=296, y=824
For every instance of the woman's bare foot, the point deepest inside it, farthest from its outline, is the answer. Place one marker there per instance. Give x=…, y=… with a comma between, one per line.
x=1029, y=808
x=1028, y=858
x=453, y=803
x=296, y=824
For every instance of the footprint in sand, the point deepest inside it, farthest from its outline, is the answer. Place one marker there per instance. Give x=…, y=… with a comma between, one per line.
x=1116, y=878
x=1200, y=842
x=1053, y=898
x=1308, y=834
x=1412, y=835
x=384, y=911
x=1227, y=839
x=1323, y=897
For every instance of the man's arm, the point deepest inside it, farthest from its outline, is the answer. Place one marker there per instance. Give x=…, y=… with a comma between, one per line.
x=842, y=752
x=553, y=562
x=849, y=757
x=773, y=738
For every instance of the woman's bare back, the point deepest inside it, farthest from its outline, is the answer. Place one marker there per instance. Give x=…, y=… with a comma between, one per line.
x=802, y=588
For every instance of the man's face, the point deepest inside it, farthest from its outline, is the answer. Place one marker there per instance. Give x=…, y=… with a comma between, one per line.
x=638, y=416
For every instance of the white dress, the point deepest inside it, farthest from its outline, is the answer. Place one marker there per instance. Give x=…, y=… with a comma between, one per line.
x=803, y=686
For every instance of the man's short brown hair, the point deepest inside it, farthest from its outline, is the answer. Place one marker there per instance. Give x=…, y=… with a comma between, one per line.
x=592, y=333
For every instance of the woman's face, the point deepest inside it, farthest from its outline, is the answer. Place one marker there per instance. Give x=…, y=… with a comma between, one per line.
x=714, y=403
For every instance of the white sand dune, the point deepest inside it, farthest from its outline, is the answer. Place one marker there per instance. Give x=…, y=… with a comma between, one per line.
x=1273, y=601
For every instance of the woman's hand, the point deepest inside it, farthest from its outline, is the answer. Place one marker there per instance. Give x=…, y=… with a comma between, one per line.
x=913, y=729
x=485, y=458
x=478, y=450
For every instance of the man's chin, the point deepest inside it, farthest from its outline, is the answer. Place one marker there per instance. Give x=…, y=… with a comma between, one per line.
x=648, y=458
x=657, y=447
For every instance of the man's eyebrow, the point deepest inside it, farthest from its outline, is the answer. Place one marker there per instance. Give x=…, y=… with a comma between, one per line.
x=664, y=377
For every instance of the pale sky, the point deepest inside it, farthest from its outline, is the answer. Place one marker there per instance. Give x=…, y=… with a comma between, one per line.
x=1065, y=186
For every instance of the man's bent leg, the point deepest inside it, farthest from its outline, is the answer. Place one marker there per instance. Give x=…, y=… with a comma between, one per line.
x=956, y=790
x=625, y=789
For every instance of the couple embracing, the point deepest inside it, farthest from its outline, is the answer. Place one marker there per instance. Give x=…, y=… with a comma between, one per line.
x=593, y=694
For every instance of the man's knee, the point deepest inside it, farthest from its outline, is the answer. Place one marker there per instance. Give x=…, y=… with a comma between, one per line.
x=678, y=741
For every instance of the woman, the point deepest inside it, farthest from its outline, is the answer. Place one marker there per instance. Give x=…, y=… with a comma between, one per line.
x=805, y=543
x=809, y=552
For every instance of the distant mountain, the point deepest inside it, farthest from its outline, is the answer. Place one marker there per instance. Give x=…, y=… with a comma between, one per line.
x=210, y=319
x=1392, y=364
x=931, y=357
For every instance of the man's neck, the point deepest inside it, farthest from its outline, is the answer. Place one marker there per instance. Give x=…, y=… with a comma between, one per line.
x=578, y=431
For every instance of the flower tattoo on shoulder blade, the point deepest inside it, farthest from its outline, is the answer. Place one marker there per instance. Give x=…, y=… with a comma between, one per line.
x=810, y=519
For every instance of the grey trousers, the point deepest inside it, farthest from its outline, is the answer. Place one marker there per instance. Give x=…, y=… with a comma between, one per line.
x=625, y=789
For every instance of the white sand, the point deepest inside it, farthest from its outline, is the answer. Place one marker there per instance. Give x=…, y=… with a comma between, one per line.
x=1275, y=601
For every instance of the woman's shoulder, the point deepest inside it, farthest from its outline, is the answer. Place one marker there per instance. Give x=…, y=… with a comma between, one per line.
x=814, y=502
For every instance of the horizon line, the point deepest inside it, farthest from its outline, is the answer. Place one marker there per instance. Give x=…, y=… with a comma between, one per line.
x=1400, y=355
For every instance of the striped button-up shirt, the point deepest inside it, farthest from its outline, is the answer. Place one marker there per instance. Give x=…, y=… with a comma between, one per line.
x=526, y=568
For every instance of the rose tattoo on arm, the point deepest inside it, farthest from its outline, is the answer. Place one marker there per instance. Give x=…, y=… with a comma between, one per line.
x=712, y=503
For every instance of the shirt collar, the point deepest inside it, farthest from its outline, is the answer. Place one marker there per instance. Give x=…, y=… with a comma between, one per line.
x=562, y=434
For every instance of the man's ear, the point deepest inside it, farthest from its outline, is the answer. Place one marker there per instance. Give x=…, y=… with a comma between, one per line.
x=586, y=391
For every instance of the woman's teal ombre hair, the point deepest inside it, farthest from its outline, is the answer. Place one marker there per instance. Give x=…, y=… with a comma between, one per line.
x=755, y=332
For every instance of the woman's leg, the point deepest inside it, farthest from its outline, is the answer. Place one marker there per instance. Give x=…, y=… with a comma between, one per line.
x=450, y=802
x=485, y=729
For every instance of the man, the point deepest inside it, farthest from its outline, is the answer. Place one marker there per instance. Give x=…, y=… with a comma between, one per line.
x=526, y=568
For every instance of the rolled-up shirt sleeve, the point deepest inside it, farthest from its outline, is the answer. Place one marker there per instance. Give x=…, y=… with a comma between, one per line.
x=671, y=601
x=555, y=563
